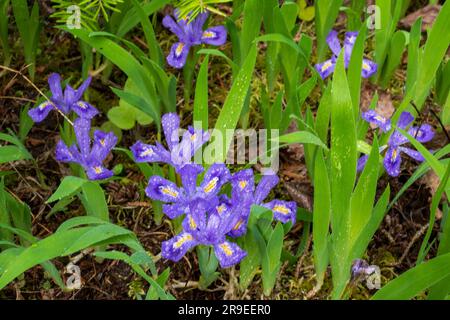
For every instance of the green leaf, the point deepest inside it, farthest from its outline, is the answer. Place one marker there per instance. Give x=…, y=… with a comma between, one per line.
x=251, y=25
x=67, y=187
x=201, y=96
x=433, y=53
x=58, y=244
x=326, y=14
x=306, y=13
x=249, y=265
x=321, y=217
x=303, y=137
x=415, y=280
x=364, y=195
x=271, y=260
x=234, y=103
x=343, y=153
x=94, y=201
x=434, y=206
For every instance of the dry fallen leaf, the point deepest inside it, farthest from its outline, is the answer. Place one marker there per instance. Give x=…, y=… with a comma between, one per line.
x=428, y=14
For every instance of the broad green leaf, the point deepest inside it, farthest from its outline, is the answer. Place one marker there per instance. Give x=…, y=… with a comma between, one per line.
x=94, y=201
x=321, y=217
x=249, y=265
x=364, y=195
x=303, y=137
x=68, y=186
x=343, y=154
x=433, y=53
x=234, y=103
x=201, y=95
x=416, y=280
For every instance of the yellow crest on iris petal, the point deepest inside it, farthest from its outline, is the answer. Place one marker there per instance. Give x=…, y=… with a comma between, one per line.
x=211, y=185
x=185, y=238
x=281, y=209
x=226, y=249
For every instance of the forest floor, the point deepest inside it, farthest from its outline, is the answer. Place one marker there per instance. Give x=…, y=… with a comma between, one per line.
x=394, y=248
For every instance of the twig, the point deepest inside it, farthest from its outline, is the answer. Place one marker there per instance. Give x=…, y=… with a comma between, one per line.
x=411, y=243
x=17, y=98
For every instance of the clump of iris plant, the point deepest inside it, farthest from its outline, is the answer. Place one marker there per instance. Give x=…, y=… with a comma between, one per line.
x=326, y=68
x=395, y=146
x=67, y=101
x=191, y=33
x=87, y=153
x=210, y=214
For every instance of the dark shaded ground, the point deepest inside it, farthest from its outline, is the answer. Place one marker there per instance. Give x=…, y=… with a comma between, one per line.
x=116, y=280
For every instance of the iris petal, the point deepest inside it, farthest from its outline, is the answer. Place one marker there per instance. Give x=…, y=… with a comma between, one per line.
x=216, y=36
x=228, y=254
x=41, y=112
x=392, y=162
x=175, y=248
x=283, y=211
x=178, y=55
x=325, y=68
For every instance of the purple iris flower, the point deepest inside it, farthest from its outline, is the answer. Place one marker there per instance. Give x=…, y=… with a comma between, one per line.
x=372, y=117
x=392, y=158
x=179, y=153
x=326, y=68
x=178, y=199
x=68, y=101
x=360, y=267
x=245, y=194
x=191, y=33
x=89, y=155
x=207, y=227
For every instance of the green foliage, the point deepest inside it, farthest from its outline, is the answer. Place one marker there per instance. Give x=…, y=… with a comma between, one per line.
x=195, y=7
x=90, y=11
x=29, y=28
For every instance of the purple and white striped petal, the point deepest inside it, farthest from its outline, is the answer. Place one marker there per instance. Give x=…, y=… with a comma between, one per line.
x=82, y=88
x=405, y=120
x=333, y=42
x=163, y=190
x=64, y=154
x=54, y=82
x=84, y=109
x=216, y=176
x=229, y=253
x=325, y=68
x=215, y=36
x=423, y=134
x=362, y=163
x=416, y=155
x=103, y=143
x=175, y=248
x=145, y=152
x=369, y=68
x=392, y=161
x=97, y=171
x=171, y=125
x=178, y=55
x=372, y=117
x=264, y=187
x=173, y=26
x=41, y=112
x=175, y=210
x=82, y=128
x=189, y=174
x=283, y=211
x=349, y=43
